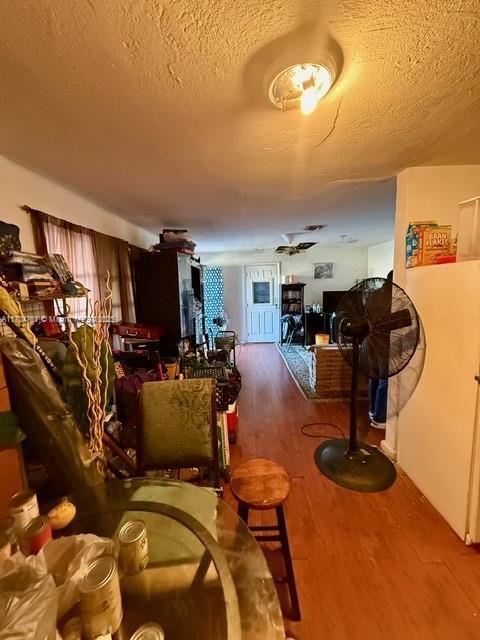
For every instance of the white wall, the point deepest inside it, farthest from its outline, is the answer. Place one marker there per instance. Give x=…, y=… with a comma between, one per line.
x=380, y=259
x=434, y=432
x=350, y=265
x=234, y=295
x=18, y=186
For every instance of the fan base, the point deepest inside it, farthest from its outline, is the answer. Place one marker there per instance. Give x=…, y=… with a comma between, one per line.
x=366, y=470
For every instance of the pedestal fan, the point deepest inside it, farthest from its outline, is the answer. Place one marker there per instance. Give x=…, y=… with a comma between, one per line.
x=378, y=331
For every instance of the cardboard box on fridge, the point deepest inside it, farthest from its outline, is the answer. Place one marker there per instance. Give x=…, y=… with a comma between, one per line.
x=414, y=241
x=428, y=243
x=436, y=244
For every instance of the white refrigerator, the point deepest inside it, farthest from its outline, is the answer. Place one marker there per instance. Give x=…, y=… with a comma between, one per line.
x=439, y=427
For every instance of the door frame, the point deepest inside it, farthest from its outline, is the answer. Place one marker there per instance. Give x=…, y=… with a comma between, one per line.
x=245, y=312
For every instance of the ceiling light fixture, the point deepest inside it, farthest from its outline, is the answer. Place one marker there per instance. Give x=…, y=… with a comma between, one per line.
x=302, y=86
x=348, y=239
x=314, y=227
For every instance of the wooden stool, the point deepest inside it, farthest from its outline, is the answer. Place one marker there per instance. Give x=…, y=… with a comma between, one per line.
x=261, y=484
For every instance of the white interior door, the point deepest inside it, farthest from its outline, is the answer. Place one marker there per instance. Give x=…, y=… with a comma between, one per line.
x=261, y=289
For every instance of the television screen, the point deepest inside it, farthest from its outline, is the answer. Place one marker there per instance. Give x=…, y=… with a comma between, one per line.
x=331, y=300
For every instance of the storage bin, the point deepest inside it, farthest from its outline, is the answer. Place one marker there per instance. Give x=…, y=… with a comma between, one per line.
x=468, y=243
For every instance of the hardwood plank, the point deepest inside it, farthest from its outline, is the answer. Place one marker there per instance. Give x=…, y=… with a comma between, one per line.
x=382, y=565
x=466, y=569
x=427, y=531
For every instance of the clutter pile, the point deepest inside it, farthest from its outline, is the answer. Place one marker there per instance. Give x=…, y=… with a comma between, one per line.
x=64, y=587
x=36, y=277
x=176, y=240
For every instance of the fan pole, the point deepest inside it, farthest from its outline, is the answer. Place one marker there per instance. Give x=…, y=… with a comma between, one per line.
x=352, y=443
x=351, y=464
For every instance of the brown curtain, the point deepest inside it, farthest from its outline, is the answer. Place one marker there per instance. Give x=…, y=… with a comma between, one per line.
x=90, y=255
x=134, y=254
x=126, y=282
x=38, y=219
x=107, y=260
x=40, y=242
x=112, y=255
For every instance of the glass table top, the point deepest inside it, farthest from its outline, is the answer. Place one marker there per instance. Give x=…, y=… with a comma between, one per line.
x=207, y=577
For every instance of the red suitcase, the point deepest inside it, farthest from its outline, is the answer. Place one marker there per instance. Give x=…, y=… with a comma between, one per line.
x=141, y=331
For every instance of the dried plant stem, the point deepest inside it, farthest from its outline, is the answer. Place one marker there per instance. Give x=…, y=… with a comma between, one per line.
x=96, y=399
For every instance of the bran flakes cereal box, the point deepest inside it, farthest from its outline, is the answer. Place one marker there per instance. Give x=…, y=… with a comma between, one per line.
x=436, y=243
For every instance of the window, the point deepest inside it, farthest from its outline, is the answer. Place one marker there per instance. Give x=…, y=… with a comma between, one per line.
x=89, y=255
x=261, y=293
x=78, y=251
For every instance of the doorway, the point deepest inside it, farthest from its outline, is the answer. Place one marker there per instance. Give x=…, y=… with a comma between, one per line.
x=261, y=297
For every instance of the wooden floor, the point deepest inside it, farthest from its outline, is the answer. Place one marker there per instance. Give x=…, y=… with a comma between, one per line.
x=368, y=566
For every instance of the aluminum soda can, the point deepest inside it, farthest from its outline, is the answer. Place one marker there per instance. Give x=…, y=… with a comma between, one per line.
x=100, y=598
x=149, y=631
x=23, y=508
x=133, y=553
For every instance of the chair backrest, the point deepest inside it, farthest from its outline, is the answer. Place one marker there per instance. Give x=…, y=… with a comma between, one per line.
x=178, y=425
x=289, y=321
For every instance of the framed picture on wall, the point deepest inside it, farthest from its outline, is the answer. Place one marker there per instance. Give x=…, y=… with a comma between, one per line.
x=323, y=270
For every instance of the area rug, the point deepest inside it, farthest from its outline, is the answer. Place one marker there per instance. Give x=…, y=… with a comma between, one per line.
x=297, y=358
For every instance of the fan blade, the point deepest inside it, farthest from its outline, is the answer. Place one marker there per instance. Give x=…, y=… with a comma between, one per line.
x=352, y=305
x=375, y=355
x=303, y=246
x=395, y=320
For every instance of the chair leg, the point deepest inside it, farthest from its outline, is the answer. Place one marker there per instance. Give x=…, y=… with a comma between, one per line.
x=243, y=512
x=216, y=477
x=288, y=341
x=292, y=587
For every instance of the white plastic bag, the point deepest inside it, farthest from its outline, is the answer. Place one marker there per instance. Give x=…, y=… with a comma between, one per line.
x=36, y=591
x=66, y=559
x=28, y=600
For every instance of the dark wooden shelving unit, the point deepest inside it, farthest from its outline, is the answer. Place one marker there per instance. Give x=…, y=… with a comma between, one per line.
x=169, y=293
x=292, y=298
x=292, y=305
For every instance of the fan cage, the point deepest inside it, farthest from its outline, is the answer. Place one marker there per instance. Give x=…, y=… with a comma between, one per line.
x=389, y=346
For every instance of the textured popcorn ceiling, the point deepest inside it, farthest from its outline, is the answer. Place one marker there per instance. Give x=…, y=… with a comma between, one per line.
x=157, y=111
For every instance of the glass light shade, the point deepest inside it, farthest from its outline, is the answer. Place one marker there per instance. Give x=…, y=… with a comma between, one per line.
x=301, y=86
